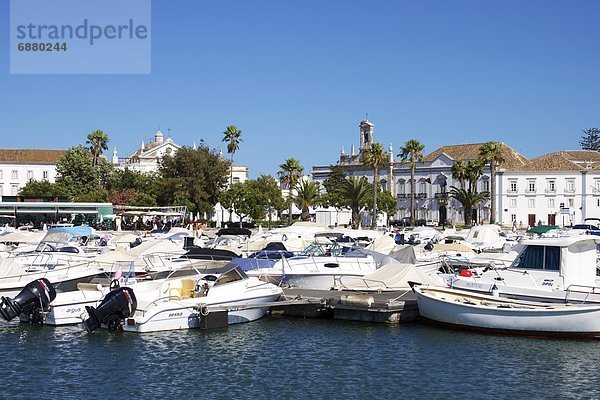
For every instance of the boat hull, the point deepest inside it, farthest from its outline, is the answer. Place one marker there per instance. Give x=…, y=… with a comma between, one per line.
x=188, y=313
x=487, y=313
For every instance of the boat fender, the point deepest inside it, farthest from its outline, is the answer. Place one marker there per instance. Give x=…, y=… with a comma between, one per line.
x=495, y=291
x=204, y=310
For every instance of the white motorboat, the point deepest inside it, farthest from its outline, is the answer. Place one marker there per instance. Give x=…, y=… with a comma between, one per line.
x=546, y=269
x=70, y=307
x=317, y=267
x=466, y=309
x=182, y=303
x=13, y=276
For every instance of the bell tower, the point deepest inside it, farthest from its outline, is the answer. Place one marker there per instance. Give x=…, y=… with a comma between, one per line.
x=366, y=134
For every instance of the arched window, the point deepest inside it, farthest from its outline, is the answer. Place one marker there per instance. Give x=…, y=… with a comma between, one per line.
x=383, y=184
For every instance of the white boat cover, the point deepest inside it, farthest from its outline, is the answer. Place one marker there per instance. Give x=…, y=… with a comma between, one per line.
x=22, y=237
x=125, y=238
x=156, y=246
x=383, y=244
x=117, y=255
x=10, y=268
x=389, y=277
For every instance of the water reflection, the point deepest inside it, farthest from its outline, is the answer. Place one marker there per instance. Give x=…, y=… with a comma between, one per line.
x=291, y=358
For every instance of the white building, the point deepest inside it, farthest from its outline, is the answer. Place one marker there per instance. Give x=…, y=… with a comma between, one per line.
x=19, y=166
x=147, y=157
x=433, y=178
x=561, y=188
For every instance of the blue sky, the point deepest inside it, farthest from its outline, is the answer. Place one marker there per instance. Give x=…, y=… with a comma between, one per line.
x=297, y=77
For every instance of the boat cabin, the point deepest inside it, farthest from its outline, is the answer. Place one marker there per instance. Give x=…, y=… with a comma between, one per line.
x=573, y=258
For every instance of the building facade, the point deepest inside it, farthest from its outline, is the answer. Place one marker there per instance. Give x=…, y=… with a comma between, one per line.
x=19, y=166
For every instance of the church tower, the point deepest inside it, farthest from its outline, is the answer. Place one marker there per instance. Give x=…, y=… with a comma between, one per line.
x=366, y=134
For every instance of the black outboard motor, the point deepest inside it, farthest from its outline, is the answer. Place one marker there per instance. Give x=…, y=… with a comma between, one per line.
x=33, y=300
x=117, y=305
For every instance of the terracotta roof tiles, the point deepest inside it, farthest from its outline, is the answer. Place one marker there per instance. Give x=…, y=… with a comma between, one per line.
x=30, y=156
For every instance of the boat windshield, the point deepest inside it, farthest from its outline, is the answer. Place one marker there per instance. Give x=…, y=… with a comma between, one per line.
x=235, y=274
x=539, y=257
x=331, y=250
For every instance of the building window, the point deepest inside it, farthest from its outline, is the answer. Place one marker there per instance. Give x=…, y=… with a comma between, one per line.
x=422, y=187
x=14, y=190
x=1, y=177
x=15, y=174
x=383, y=184
x=29, y=175
x=2, y=190
x=570, y=186
x=531, y=185
x=513, y=217
x=512, y=186
x=551, y=186
x=401, y=187
x=531, y=203
x=571, y=202
x=596, y=185
x=597, y=202
x=45, y=175
x=513, y=203
x=485, y=185
x=236, y=179
x=550, y=203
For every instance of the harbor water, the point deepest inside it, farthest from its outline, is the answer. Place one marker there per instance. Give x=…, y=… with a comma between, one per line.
x=288, y=358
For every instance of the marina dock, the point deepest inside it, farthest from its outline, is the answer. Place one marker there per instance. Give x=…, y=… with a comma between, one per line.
x=388, y=307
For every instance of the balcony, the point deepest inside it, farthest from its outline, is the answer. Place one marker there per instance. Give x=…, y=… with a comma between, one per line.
x=570, y=192
x=441, y=196
x=421, y=196
x=401, y=196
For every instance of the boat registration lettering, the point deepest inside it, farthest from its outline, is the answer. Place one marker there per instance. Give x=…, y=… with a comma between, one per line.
x=73, y=310
x=548, y=282
x=474, y=285
x=175, y=314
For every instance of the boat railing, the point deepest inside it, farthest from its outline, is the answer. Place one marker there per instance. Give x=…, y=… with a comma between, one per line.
x=366, y=281
x=63, y=271
x=584, y=289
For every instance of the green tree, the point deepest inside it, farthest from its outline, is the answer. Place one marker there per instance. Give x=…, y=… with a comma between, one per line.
x=412, y=153
x=333, y=185
x=590, y=140
x=375, y=158
x=492, y=153
x=290, y=173
x=76, y=173
x=97, y=142
x=469, y=198
x=271, y=199
x=41, y=189
x=232, y=137
x=307, y=196
x=356, y=192
x=386, y=203
x=195, y=177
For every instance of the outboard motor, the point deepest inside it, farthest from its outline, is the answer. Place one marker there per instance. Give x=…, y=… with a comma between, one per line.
x=33, y=300
x=117, y=305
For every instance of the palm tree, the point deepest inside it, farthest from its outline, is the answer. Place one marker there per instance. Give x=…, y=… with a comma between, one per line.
x=307, y=195
x=356, y=192
x=473, y=172
x=459, y=172
x=492, y=153
x=375, y=158
x=290, y=173
x=98, y=142
x=232, y=137
x=412, y=153
x=468, y=198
